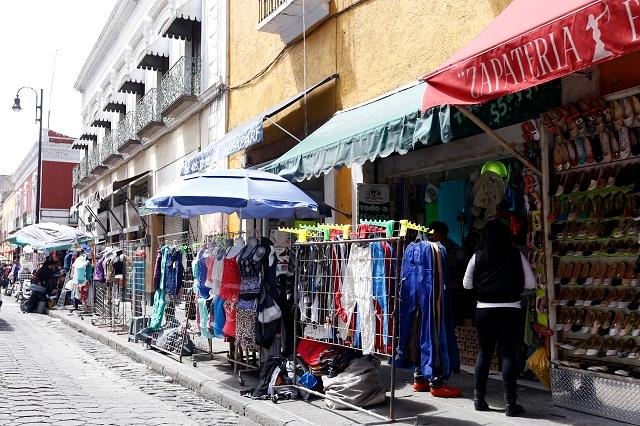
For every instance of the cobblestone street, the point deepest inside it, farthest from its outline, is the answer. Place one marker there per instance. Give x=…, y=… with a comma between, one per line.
x=51, y=374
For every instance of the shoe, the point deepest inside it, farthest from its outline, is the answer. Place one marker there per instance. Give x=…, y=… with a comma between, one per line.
x=597, y=323
x=513, y=410
x=593, y=272
x=627, y=113
x=614, y=144
x=571, y=319
x=580, y=150
x=596, y=346
x=624, y=142
x=626, y=348
x=614, y=330
x=606, y=147
x=422, y=386
x=613, y=351
x=587, y=142
x=584, y=273
x=479, y=402
x=633, y=141
x=587, y=344
x=611, y=272
x=588, y=322
x=577, y=324
x=628, y=325
x=562, y=319
x=596, y=146
x=446, y=392
x=620, y=271
x=616, y=113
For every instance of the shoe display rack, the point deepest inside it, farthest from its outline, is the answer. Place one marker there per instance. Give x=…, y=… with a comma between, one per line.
x=595, y=225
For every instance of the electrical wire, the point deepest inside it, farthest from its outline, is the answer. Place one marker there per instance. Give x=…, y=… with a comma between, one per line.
x=285, y=50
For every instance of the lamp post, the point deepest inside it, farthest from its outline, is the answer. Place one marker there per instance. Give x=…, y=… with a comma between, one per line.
x=16, y=107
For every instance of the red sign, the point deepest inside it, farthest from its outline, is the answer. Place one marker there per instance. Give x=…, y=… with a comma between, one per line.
x=598, y=32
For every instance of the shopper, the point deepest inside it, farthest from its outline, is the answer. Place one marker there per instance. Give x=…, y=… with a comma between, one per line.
x=498, y=273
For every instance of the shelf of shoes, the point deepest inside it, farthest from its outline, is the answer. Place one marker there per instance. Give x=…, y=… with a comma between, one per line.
x=595, y=216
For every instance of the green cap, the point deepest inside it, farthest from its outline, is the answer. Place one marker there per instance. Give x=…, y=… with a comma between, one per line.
x=496, y=167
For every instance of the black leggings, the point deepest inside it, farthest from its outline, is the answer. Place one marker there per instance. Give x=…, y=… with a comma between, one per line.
x=504, y=327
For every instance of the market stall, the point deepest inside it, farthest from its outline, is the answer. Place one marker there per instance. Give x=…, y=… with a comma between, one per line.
x=593, y=132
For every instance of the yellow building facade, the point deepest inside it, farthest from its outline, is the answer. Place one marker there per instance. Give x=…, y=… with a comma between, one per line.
x=374, y=46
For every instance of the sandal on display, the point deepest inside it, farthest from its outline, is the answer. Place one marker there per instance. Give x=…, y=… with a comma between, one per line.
x=627, y=112
x=596, y=346
x=586, y=345
x=616, y=325
x=625, y=144
x=626, y=348
x=616, y=113
x=613, y=351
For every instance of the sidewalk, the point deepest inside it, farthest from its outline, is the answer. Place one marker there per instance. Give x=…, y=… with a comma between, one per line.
x=215, y=380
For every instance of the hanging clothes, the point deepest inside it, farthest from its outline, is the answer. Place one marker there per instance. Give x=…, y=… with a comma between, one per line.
x=426, y=327
x=357, y=291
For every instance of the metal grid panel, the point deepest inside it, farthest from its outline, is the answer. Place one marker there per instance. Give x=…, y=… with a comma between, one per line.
x=323, y=269
x=177, y=335
x=597, y=394
x=347, y=267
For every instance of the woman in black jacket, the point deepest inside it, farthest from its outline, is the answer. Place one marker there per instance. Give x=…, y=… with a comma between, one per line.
x=498, y=273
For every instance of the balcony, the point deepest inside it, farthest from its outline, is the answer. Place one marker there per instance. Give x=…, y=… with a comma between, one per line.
x=96, y=167
x=76, y=174
x=83, y=174
x=148, y=117
x=109, y=155
x=180, y=87
x=284, y=17
x=126, y=138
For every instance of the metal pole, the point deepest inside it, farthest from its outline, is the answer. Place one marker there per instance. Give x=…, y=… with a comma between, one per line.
x=39, y=181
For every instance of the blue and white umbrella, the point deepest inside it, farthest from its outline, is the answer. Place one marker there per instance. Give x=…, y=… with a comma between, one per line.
x=252, y=194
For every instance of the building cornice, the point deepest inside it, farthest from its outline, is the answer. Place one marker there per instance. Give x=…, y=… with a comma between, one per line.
x=110, y=32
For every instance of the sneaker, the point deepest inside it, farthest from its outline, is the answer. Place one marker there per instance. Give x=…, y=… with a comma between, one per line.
x=446, y=392
x=421, y=387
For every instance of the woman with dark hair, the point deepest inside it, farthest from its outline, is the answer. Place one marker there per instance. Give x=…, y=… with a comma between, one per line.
x=498, y=274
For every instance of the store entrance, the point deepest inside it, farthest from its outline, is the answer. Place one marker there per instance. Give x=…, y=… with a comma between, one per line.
x=457, y=201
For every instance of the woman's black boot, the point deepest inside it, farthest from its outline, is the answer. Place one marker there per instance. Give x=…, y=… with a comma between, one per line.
x=478, y=401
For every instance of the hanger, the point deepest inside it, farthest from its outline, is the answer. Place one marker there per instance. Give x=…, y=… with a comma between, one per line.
x=405, y=225
x=325, y=233
x=345, y=229
x=302, y=234
x=387, y=225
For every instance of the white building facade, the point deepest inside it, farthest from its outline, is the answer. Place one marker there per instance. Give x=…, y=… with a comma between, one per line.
x=153, y=95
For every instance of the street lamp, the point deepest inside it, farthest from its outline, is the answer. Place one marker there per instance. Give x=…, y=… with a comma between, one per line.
x=17, y=108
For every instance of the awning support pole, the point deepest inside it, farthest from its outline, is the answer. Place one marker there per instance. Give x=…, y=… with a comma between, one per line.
x=546, y=210
x=495, y=136
x=96, y=218
x=144, y=222
x=115, y=217
x=283, y=129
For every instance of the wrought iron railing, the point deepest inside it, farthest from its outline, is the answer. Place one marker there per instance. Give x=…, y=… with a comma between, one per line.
x=127, y=130
x=108, y=148
x=183, y=79
x=148, y=110
x=75, y=175
x=94, y=158
x=267, y=7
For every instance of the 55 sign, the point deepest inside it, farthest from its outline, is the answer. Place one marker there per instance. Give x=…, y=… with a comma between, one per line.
x=373, y=202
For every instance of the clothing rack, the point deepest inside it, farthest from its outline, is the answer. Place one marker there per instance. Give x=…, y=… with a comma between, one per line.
x=235, y=355
x=326, y=262
x=176, y=335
